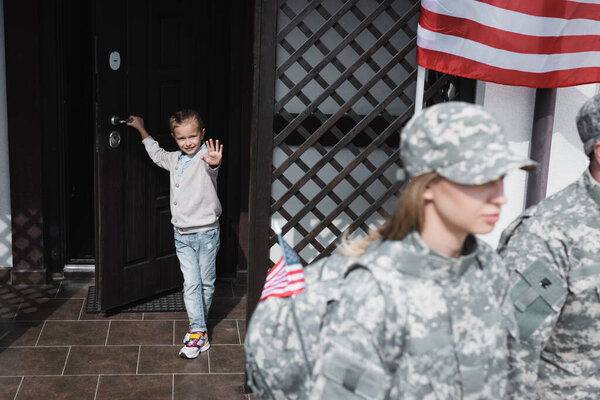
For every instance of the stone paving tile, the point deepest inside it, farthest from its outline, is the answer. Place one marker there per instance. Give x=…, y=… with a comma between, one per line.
x=141, y=332
x=45, y=308
x=74, y=289
x=32, y=361
x=209, y=387
x=10, y=300
x=9, y=386
x=5, y=274
x=85, y=360
x=178, y=315
x=166, y=360
x=227, y=358
x=58, y=387
x=70, y=333
x=242, y=326
x=135, y=387
x=8, y=311
x=14, y=297
x=31, y=291
x=19, y=333
x=224, y=332
x=228, y=308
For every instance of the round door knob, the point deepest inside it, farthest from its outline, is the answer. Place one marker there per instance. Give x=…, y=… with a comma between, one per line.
x=115, y=120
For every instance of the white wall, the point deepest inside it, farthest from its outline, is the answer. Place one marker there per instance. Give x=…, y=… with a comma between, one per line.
x=5, y=231
x=514, y=107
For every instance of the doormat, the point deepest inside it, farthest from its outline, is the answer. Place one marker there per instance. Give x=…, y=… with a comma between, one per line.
x=164, y=302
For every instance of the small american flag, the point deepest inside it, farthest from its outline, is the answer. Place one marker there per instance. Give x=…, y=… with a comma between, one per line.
x=286, y=278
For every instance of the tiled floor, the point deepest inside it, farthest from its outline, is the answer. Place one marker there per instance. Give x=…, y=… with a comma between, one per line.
x=51, y=349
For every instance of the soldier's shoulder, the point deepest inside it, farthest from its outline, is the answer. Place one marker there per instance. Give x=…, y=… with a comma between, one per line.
x=559, y=205
x=552, y=221
x=551, y=215
x=330, y=267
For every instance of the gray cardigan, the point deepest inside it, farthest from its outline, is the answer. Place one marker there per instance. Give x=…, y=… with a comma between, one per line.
x=194, y=203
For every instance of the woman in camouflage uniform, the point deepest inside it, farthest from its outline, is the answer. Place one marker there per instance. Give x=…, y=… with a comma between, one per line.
x=424, y=314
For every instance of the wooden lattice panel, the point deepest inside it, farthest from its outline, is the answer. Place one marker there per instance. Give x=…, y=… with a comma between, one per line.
x=344, y=87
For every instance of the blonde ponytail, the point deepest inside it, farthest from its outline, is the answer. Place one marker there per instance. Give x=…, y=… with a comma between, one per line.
x=408, y=216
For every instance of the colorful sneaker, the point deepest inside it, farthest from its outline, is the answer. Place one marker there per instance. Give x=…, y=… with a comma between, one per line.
x=197, y=343
x=187, y=335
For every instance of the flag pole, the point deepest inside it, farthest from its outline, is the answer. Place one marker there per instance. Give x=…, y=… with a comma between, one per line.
x=277, y=230
x=276, y=227
x=420, y=89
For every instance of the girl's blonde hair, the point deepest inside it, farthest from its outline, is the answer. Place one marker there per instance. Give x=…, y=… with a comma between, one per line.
x=408, y=215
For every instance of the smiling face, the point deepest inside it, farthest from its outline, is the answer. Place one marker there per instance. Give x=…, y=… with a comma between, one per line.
x=188, y=137
x=464, y=209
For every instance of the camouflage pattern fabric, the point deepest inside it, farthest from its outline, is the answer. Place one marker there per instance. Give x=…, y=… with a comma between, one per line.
x=460, y=141
x=282, y=336
x=413, y=324
x=553, y=252
x=588, y=123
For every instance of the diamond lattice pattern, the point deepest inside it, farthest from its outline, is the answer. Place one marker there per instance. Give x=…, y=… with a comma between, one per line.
x=345, y=84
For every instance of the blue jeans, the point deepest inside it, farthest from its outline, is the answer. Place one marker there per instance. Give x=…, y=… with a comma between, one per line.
x=197, y=253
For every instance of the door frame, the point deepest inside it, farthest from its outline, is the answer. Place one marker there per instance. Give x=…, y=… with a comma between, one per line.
x=261, y=148
x=52, y=85
x=53, y=92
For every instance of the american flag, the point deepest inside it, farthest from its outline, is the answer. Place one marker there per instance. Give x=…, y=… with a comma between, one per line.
x=286, y=278
x=534, y=43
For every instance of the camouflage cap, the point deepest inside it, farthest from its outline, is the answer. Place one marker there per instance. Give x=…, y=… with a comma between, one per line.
x=460, y=141
x=588, y=123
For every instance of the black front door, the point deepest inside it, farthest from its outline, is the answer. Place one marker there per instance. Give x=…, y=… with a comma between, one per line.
x=152, y=58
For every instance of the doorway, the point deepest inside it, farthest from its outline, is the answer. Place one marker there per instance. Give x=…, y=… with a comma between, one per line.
x=219, y=86
x=151, y=59
x=78, y=132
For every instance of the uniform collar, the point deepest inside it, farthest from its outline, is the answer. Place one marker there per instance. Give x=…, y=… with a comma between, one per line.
x=592, y=186
x=413, y=256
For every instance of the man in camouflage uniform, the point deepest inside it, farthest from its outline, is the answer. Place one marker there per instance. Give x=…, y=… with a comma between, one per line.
x=412, y=323
x=553, y=252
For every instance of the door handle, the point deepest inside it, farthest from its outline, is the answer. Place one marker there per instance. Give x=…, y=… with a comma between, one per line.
x=115, y=120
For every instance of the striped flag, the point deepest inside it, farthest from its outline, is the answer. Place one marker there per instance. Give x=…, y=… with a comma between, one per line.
x=286, y=278
x=535, y=43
